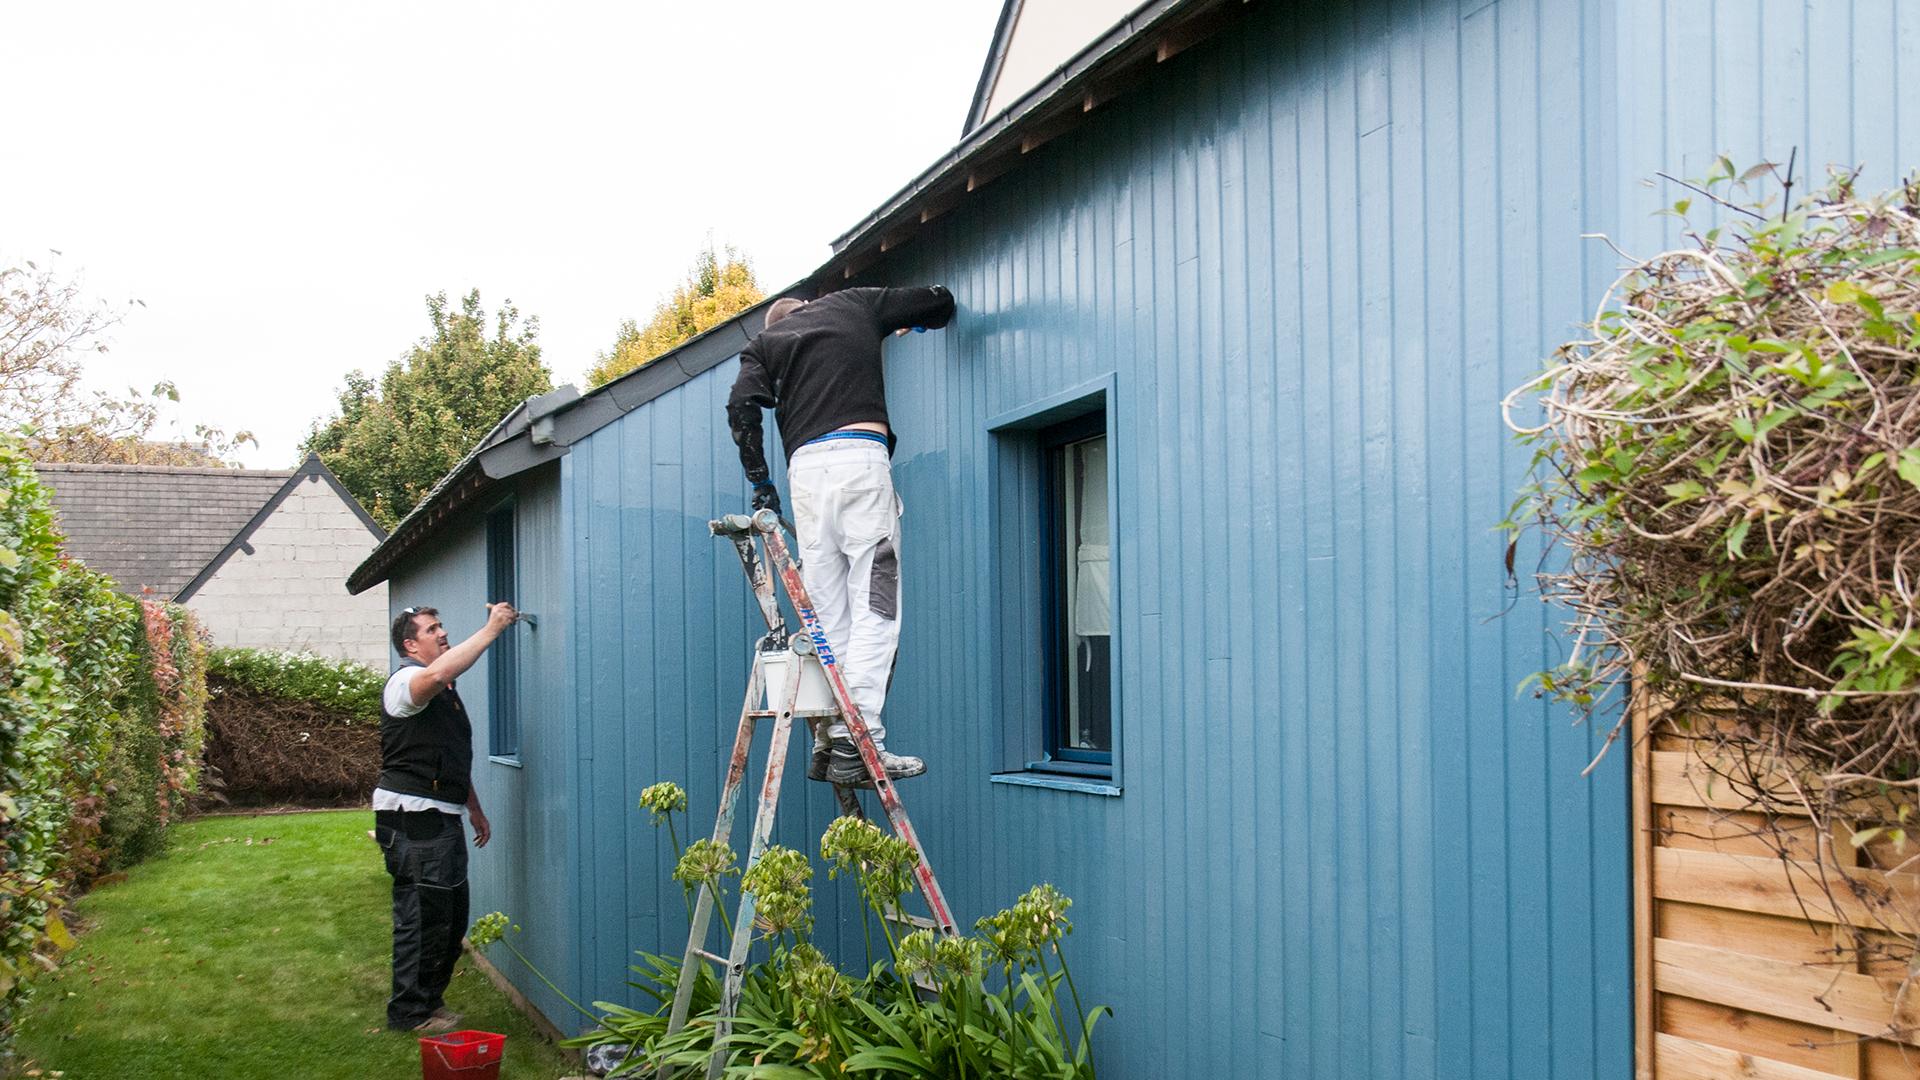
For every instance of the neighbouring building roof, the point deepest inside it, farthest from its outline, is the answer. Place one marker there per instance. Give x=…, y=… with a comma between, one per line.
x=1032, y=40
x=541, y=429
x=163, y=528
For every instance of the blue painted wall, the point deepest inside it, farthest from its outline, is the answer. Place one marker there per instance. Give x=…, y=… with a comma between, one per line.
x=530, y=870
x=1310, y=256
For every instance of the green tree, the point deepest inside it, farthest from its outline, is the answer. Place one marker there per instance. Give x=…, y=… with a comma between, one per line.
x=394, y=438
x=720, y=286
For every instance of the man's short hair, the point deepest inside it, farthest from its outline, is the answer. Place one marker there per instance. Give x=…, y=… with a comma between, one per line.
x=404, y=629
x=782, y=308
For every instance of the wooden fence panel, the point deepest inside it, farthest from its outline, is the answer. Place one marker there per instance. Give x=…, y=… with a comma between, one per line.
x=1738, y=963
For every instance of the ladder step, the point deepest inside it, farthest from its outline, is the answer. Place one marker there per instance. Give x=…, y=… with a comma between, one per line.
x=705, y=955
x=916, y=921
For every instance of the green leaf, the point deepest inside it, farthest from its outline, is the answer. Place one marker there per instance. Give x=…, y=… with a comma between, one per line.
x=1865, y=836
x=1889, y=255
x=9, y=559
x=57, y=933
x=1845, y=292
x=1909, y=466
x=1737, y=537
x=1772, y=420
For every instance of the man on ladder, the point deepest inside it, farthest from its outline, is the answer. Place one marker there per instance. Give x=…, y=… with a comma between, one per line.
x=818, y=366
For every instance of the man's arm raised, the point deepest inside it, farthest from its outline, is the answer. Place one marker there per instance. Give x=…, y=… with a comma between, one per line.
x=454, y=663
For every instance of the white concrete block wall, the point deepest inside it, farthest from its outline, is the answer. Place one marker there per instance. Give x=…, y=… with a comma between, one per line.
x=291, y=593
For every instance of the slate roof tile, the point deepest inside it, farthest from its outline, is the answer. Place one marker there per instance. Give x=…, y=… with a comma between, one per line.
x=154, y=526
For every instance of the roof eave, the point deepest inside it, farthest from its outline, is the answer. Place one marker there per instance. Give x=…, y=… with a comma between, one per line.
x=1158, y=28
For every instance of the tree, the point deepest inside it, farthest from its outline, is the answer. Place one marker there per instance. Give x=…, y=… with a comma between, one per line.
x=720, y=286
x=394, y=439
x=46, y=328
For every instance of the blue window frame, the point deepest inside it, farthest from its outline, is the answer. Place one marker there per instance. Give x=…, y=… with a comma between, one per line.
x=503, y=658
x=1078, y=597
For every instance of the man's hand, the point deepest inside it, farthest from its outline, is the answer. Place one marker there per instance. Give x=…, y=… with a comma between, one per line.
x=482, y=828
x=501, y=615
x=767, y=497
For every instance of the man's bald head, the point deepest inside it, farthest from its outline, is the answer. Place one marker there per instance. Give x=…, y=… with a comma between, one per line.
x=782, y=308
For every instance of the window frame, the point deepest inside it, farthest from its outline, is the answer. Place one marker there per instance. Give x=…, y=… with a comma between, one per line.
x=503, y=657
x=1019, y=541
x=1053, y=443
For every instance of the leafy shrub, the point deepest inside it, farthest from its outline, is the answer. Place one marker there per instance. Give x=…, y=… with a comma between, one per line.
x=102, y=700
x=291, y=727
x=102, y=632
x=34, y=711
x=1728, y=464
x=345, y=687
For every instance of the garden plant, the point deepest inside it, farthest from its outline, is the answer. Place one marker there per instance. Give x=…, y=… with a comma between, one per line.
x=1727, y=482
x=102, y=706
x=1000, y=1003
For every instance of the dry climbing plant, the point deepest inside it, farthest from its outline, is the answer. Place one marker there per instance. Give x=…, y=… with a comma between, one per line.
x=1727, y=482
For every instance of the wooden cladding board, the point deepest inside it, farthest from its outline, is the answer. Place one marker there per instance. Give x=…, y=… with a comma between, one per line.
x=1743, y=958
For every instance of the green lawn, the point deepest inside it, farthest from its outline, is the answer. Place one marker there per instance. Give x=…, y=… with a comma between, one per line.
x=256, y=947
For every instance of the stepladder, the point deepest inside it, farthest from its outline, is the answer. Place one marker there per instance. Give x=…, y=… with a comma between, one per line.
x=794, y=676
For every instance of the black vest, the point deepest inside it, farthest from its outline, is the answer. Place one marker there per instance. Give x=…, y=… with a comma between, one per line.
x=429, y=753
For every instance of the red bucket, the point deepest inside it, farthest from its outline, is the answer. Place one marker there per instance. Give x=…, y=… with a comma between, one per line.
x=462, y=1055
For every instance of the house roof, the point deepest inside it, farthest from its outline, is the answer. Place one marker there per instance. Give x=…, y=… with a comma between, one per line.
x=167, y=529
x=541, y=429
x=990, y=70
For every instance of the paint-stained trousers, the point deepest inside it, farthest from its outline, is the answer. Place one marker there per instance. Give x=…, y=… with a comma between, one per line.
x=847, y=519
x=426, y=853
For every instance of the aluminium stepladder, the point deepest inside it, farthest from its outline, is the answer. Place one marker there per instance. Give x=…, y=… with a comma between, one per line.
x=808, y=651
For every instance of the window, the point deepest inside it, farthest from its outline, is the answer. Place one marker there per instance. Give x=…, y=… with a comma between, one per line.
x=503, y=658
x=1055, y=614
x=1079, y=594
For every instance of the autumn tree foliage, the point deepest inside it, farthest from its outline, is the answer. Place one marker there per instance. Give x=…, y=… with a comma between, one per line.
x=396, y=436
x=719, y=286
x=47, y=329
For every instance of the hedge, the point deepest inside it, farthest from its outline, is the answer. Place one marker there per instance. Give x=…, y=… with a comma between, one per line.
x=291, y=727
x=102, y=709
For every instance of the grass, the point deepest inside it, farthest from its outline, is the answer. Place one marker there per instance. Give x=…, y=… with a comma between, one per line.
x=255, y=947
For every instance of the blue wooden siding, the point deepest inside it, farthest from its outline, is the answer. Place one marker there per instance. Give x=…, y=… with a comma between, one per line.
x=1311, y=255
x=530, y=869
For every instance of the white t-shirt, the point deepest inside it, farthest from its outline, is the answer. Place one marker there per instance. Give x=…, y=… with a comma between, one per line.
x=398, y=701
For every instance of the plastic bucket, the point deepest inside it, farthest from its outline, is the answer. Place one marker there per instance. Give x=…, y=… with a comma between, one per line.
x=779, y=666
x=462, y=1055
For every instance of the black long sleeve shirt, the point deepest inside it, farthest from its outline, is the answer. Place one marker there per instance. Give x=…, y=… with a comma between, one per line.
x=819, y=368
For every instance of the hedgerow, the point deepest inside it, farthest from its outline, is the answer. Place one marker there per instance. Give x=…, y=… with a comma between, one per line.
x=286, y=727
x=102, y=708
x=341, y=686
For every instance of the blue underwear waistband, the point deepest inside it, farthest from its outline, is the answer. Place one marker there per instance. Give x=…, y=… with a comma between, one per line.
x=872, y=436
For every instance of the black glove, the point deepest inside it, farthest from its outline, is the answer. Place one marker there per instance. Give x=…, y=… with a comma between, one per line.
x=767, y=497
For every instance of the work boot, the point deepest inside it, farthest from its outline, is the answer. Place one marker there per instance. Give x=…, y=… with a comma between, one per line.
x=817, y=767
x=435, y=1025
x=451, y=1017
x=847, y=770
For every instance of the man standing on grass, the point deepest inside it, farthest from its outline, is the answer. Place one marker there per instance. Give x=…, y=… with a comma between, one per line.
x=426, y=784
x=817, y=366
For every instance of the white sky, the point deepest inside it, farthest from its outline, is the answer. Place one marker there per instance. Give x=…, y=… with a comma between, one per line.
x=283, y=184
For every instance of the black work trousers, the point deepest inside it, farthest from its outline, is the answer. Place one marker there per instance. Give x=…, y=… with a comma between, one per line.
x=426, y=853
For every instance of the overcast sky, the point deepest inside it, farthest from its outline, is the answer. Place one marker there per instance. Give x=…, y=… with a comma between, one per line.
x=282, y=184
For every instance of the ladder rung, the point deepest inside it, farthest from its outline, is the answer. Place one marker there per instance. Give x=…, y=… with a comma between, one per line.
x=705, y=955
x=918, y=921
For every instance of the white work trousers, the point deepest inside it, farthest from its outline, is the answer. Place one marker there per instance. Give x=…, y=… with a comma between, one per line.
x=848, y=522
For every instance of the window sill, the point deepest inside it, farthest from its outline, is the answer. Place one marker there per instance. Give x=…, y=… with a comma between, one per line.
x=510, y=762
x=1057, y=782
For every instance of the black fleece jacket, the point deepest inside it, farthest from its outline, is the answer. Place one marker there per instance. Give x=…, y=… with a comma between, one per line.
x=819, y=368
